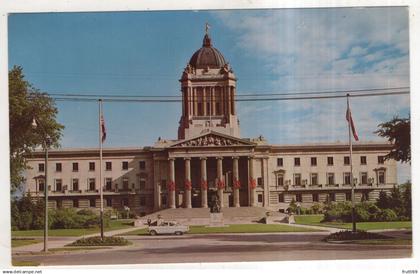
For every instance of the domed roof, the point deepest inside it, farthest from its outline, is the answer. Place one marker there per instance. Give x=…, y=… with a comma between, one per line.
x=207, y=56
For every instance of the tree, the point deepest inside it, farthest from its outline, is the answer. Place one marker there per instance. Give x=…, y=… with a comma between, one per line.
x=397, y=131
x=383, y=201
x=25, y=104
x=27, y=213
x=406, y=199
x=395, y=200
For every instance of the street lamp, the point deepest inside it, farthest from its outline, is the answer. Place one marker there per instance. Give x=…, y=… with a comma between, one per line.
x=47, y=143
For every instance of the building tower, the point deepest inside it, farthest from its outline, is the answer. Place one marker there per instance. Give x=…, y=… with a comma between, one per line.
x=208, y=87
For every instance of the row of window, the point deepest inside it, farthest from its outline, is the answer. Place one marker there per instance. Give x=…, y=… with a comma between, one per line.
x=107, y=202
x=297, y=178
x=75, y=166
x=330, y=197
x=330, y=160
x=58, y=184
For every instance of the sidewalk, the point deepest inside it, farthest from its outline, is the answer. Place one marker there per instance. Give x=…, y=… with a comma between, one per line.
x=57, y=242
x=324, y=228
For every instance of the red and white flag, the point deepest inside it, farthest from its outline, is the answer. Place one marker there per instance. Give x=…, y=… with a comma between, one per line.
x=103, y=129
x=350, y=121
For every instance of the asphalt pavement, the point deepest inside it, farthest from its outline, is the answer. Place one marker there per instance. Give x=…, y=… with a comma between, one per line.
x=223, y=248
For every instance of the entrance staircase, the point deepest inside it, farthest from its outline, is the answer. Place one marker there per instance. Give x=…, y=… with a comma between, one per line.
x=201, y=216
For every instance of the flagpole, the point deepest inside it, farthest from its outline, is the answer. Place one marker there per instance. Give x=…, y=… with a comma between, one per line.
x=100, y=170
x=353, y=217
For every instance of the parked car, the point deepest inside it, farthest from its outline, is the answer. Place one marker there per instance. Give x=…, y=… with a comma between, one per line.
x=168, y=227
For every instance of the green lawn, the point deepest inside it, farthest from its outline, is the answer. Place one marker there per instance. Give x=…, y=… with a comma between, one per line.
x=22, y=242
x=113, y=225
x=239, y=228
x=316, y=220
x=309, y=219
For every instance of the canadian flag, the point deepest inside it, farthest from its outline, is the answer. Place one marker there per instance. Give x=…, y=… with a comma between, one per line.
x=103, y=129
x=350, y=121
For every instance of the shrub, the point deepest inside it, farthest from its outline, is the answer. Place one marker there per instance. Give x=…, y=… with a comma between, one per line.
x=64, y=218
x=347, y=235
x=316, y=208
x=70, y=218
x=340, y=212
x=364, y=212
x=387, y=215
x=361, y=213
x=97, y=241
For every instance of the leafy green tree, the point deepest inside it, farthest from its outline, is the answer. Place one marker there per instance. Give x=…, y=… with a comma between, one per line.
x=397, y=131
x=406, y=199
x=383, y=201
x=25, y=104
x=292, y=206
x=27, y=213
x=396, y=200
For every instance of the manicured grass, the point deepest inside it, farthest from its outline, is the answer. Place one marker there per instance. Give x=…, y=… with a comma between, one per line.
x=113, y=225
x=22, y=242
x=239, y=228
x=316, y=220
x=24, y=263
x=309, y=219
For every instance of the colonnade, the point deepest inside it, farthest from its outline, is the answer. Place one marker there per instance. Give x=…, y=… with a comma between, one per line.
x=220, y=182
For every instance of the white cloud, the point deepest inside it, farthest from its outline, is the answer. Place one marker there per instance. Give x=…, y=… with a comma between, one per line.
x=325, y=49
x=357, y=51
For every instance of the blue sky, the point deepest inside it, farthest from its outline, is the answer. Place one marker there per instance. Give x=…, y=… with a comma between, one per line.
x=143, y=53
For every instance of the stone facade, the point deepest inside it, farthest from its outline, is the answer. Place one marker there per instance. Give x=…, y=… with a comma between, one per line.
x=210, y=158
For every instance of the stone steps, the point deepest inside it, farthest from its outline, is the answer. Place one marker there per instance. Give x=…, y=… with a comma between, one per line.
x=201, y=216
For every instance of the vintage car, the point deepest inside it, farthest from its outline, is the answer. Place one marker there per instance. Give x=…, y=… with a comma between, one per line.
x=168, y=227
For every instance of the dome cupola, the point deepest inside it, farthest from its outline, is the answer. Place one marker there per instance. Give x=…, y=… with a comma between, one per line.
x=207, y=56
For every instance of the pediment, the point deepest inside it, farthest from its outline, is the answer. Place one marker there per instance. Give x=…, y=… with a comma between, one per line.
x=213, y=139
x=279, y=171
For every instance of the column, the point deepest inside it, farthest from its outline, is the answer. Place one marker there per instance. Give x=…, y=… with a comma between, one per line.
x=236, y=182
x=190, y=100
x=204, y=100
x=195, y=101
x=252, y=182
x=157, y=186
x=171, y=183
x=213, y=101
x=229, y=102
x=266, y=182
x=233, y=101
x=204, y=184
x=222, y=100
x=220, y=181
x=187, y=184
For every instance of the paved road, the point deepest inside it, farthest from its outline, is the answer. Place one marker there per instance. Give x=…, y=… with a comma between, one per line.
x=223, y=248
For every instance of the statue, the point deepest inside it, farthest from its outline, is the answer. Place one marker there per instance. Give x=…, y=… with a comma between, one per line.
x=215, y=204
